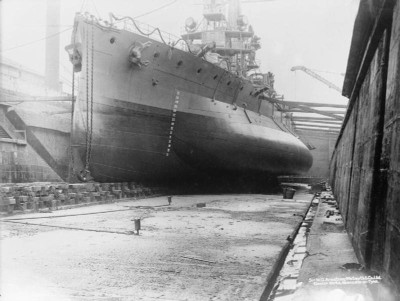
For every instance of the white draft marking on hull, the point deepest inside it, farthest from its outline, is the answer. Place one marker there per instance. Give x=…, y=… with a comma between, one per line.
x=173, y=118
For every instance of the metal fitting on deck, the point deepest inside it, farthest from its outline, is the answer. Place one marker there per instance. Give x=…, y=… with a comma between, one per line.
x=137, y=225
x=84, y=175
x=135, y=53
x=75, y=56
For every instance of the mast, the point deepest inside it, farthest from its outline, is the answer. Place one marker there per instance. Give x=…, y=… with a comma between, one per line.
x=233, y=13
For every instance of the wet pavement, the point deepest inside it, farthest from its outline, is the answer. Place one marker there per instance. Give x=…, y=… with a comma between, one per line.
x=223, y=251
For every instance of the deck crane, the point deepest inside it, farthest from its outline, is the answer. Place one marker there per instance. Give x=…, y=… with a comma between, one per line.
x=316, y=76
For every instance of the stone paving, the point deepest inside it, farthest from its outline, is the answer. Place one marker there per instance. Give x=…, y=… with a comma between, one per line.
x=32, y=197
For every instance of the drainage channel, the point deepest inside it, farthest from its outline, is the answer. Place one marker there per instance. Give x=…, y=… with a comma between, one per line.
x=284, y=284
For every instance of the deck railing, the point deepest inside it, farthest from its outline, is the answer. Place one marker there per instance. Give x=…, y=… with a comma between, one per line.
x=129, y=24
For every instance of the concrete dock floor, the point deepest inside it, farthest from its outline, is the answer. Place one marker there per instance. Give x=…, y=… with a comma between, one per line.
x=223, y=251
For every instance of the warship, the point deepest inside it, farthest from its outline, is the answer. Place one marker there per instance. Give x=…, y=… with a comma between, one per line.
x=152, y=106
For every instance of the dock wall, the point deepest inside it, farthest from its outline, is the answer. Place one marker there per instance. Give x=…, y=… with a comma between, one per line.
x=365, y=165
x=29, y=152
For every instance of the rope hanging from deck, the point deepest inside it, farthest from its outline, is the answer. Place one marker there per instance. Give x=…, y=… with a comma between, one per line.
x=71, y=169
x=71, y=166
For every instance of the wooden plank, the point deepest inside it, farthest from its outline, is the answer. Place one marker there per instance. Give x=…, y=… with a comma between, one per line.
x=304, y=108
x=298, y=110
x=310, y=110
x=317, y=134
x=317, y=129
x=317, y=126
x=301, y=122
x=309, y=104
x=295, y=118
x=34, y=99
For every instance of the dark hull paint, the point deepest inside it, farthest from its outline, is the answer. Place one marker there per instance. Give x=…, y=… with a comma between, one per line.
x=178, y=117
x=132, y=146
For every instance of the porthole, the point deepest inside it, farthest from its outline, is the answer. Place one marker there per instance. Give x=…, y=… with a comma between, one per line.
x=112, y=40
x=180, y=63
x=215, y=76
x=199, y=70
x=228, y=83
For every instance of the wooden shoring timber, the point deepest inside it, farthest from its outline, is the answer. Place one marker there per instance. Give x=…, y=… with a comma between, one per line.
x=315, y=119
x=302, y=110
x=317, y=126
x=312, y=133
x=310, y=110
x=298, y=107
x=35, y=99
x=308, y=104
x=316, y=133
x=335, y=130
x=302, y=122
x=318, y=129
x=320, y=135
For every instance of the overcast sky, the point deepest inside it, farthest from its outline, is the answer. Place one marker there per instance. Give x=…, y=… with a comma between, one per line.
x=312, y=33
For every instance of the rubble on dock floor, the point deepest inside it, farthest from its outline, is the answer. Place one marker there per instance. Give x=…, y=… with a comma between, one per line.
x=31, y=197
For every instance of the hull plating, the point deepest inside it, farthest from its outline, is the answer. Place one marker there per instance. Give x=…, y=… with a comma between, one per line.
x=177, y=117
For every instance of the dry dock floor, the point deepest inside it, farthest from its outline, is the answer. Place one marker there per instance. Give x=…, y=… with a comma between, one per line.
x=223, y=251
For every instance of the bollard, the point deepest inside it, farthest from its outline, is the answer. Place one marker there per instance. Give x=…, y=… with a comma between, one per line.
x=288, y=193
x=169, y=200
x=10, y=208
x=11, y=205
x=36, y=203
x=137, y=225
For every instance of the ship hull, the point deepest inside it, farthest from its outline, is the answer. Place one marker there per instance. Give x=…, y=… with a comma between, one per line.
x=178, y=117
x=134, y=144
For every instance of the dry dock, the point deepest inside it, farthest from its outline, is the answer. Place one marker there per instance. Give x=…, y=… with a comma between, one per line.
x=223, y=251
x=207, y=247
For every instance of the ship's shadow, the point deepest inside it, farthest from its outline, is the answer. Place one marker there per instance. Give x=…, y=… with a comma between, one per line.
x=225, y=184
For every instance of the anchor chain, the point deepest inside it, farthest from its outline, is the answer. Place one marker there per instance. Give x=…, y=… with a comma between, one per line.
x=85, y=173
x=71, y=169
x=91, y=98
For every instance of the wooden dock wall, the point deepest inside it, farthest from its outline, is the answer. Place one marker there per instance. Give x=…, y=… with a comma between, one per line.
x=365, y=166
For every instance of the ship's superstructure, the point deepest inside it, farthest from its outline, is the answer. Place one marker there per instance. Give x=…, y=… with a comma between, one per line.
x=225, y=37
x=151, y=106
